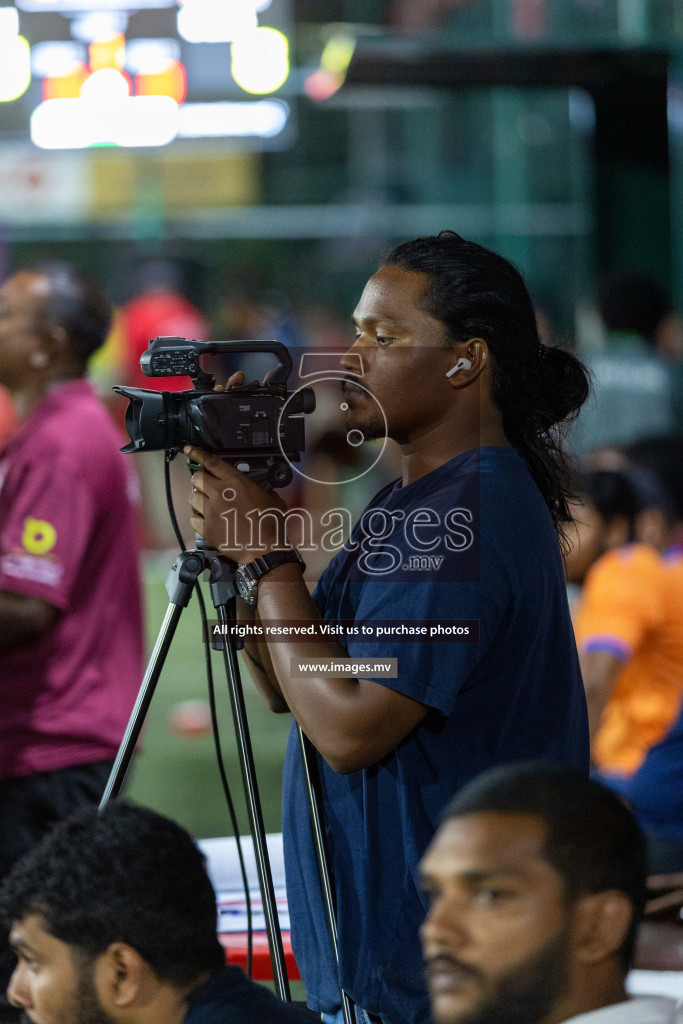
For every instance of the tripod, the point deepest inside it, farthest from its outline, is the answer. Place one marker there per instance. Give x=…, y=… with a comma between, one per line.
x=182, y=578
x=181, y=581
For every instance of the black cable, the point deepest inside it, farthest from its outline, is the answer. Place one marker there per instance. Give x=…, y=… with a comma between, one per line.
x=168, y=459
x=169, y=456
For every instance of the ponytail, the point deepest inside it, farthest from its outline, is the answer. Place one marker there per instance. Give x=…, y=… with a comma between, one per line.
x=537, y=405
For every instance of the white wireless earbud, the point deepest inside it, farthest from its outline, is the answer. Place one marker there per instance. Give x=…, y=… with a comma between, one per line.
x=462, y=364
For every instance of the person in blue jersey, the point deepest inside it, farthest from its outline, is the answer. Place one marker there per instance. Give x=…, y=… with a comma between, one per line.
x=655, y=795
x=447, y=362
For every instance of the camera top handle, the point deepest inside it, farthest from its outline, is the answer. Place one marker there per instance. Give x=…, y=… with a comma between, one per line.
x=179, y=357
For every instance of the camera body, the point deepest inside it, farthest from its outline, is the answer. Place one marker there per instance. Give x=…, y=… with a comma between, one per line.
x=258, y=427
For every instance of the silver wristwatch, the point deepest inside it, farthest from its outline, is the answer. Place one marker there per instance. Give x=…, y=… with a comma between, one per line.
x=248, y=574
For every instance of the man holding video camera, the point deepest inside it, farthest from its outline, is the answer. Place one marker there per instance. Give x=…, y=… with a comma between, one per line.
x=70, y=613
x=447, y=361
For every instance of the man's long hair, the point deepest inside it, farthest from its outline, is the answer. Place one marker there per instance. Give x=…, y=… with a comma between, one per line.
x=477, y=293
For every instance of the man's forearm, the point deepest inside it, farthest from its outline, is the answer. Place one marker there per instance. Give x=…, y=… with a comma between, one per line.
x=258, y=661
x=600, y=671
x=284, y=595
x=596, y=701
x=346, y=719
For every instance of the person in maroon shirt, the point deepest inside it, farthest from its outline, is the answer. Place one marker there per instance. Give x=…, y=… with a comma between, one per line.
x=70, y=609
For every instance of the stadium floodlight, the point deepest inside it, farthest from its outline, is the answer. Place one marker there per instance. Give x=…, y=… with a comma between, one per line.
x=80, y=123
x=260, y=60
x=82, y=6
x=261, y=118
x=15, y=57
x=215, y=21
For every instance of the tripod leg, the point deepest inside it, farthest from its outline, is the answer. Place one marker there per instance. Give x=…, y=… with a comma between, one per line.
x=313, y=787
x=144, y=699
x=239, y=714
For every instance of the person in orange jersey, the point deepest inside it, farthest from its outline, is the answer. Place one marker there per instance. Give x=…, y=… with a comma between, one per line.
x=629, y=626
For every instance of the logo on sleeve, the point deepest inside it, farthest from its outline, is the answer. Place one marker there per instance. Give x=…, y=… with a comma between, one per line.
x=39, y=536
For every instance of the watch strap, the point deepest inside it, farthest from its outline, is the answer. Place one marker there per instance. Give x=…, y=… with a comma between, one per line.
x=262, y=564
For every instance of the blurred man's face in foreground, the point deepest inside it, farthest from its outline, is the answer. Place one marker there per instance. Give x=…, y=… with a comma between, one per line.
x=49, y=982
x=496, y=940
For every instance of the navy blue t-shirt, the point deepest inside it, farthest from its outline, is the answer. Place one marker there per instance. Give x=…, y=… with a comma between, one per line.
x=230, y=997
x=516, y=694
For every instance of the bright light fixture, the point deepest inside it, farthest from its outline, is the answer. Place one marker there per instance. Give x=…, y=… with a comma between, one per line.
x=321, y=85
x=151, y=121
x=105, y=86
x=337, y=53
x=260, y=60
x=148, y=56
x=261, y=118
x=15, y=67
x=56, y=57
x=68, y=84
x=215, y=21
x=97, y=24
x=108, y=52
x=77, y=124
x=66, y=6
x=168, y=80
x=9, y=23
x=256, y=5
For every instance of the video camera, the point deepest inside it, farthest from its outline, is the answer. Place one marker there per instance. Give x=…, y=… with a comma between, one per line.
x=258, y=427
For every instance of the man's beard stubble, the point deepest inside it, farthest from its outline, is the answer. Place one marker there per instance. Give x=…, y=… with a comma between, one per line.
x=527, y=993
x=89, y=1009
x=373, y=428
x=85, y=1006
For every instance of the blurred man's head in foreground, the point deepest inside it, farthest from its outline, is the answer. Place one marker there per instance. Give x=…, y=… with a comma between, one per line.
x=111, y=914
x=536, y=881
